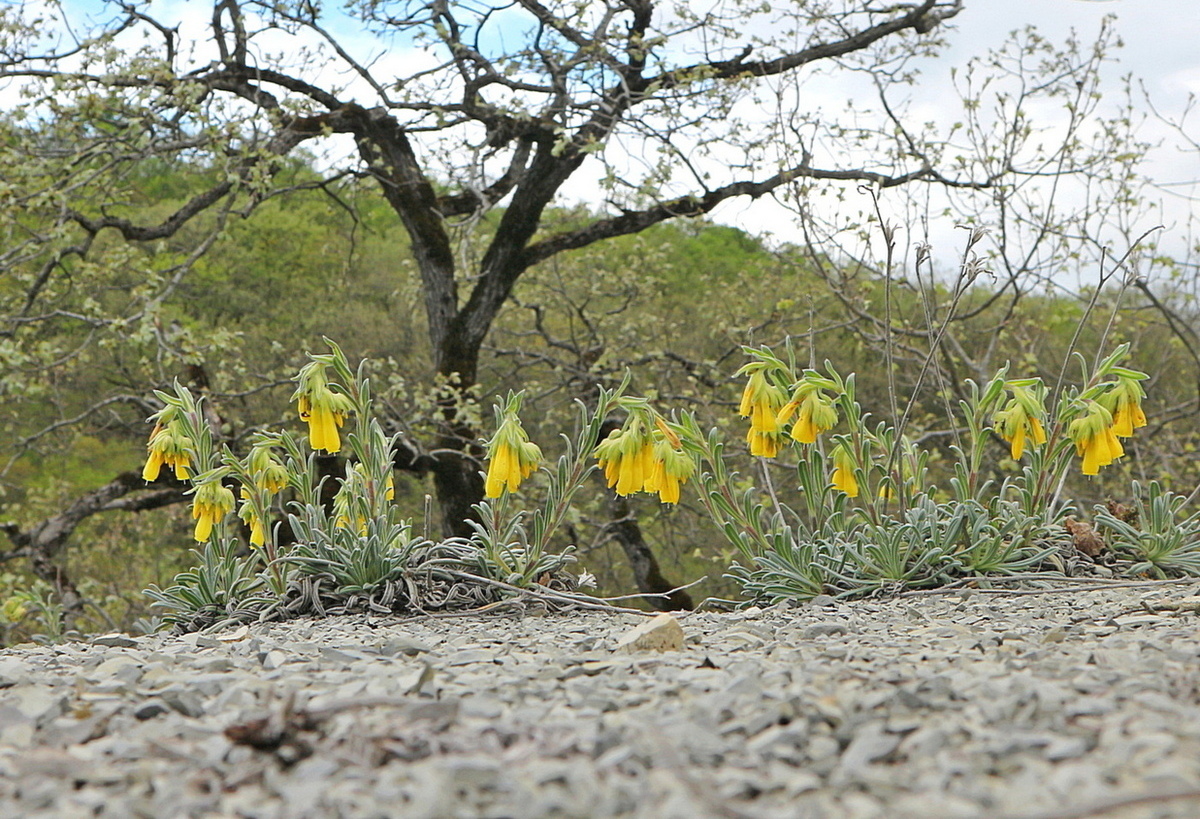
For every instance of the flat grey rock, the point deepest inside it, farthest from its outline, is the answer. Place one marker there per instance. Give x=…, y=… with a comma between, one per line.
x=115, y=639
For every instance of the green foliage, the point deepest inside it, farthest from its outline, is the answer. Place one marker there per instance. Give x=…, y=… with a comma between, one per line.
x=353, y=552
x=667, y=306
x=224, y=587
x=118, y=126
x=872, y=520
x=647, y=275
x=32, y=610
x=1159, y=540
x=902, y=532
x=521, y=556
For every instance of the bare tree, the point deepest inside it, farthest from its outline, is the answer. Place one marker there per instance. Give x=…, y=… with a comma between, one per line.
x=474, y=107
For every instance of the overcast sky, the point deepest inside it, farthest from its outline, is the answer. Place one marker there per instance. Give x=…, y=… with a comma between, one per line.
x=1161, y=48
x=1160, y=36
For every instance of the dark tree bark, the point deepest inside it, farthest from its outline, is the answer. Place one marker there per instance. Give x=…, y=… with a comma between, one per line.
x=543, y=159
x=524, y=121
x=660, y=593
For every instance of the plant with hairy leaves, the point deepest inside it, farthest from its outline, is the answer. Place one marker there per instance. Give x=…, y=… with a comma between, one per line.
x=354, y=552
x=510, y=551
x=1155, y=536
x=224, y=586
x=870, y=519
x=359, y=546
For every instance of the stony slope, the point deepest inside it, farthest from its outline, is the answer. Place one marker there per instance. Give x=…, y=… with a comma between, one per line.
x=1064, y=704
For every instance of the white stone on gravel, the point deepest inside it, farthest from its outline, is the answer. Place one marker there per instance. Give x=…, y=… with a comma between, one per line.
x=938, y=707
x=115, y=639
x=660, y=633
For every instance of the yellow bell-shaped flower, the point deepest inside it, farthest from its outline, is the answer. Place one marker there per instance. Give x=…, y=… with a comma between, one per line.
x=1095, y=440
x=512, y=457
x=210, y=506
x=843, y=471
x=324, y=409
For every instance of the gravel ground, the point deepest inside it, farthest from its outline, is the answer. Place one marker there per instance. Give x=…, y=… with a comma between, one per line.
x=1064, y=704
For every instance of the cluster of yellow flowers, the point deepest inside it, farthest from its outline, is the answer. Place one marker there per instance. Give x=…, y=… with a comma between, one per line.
x=814, y=410
x=212, y=503
x=766, y=404
x=645, y=455
x=1124, y=401
x=168, y=445
x=769, y=409
x=512, y=457
x=270, y=476
x=1113, y=415
x=323, y=409
x=1110, y=411
x=761, y=403
x=1020, y=419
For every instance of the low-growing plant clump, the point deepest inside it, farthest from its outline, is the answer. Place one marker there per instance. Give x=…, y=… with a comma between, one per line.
x=345, y=546
x=873, y=520
x=870, y=519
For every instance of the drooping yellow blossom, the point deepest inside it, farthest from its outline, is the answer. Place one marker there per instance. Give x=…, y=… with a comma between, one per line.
x=319, y=409
x=645, y=455
x=671, y=469
x=627, y=458
x=1128, y=418
x=814, y=412
x=843, y=471
x=258, y=530
x=1100, y=449
x=763, y=444
x=1124, y=401
x=267, y=471
x=1095, y=440
x=761, y=403
x=210, y=506
x=609, y=453
x=169, y=445
x=512, y=457
x=323, y=409
x=504, y=471
x=1035, y=432
x=258, y=533
x=636, y=469
x=389, y=488
x=1020, y=419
